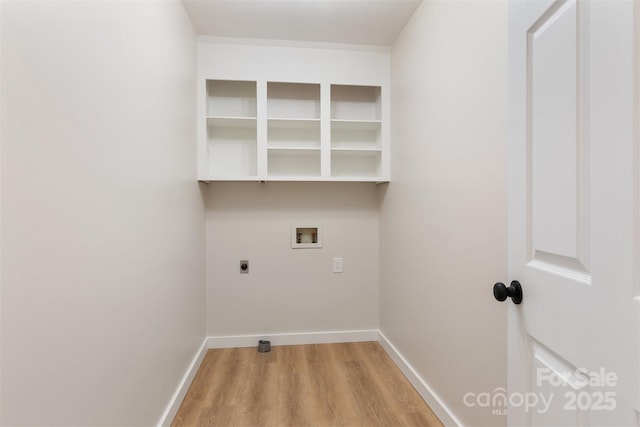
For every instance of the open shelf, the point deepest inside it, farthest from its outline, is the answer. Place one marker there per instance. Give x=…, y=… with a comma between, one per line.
x=232, y=149
x=349, y=102
x=293, y=133
x=234, y=122
x=293, y=100
x=230, y=98
x=355, y=134
x=293, y=162
x=356, y=163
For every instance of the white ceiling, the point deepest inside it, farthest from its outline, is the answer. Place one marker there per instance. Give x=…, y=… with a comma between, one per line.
x=370, y=22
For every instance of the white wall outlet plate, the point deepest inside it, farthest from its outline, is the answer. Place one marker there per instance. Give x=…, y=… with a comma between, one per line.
x=337, y=264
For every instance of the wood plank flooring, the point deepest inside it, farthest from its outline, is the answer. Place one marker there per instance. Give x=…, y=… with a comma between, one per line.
x=349, y=384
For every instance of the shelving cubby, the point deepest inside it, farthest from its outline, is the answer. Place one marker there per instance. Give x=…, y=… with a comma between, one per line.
x=293, y=134
x=355, y=134
x=364, y=164
x=293, y=163
x=356, y=103
x=231, y=122
x=293, y=130
x=293, y=101
x=356, y=128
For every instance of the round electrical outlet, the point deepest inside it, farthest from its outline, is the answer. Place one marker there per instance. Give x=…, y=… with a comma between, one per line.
x=244, y=267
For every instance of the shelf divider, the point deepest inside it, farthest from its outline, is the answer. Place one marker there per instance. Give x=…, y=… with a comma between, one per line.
x=325, y=130
x=261, y=112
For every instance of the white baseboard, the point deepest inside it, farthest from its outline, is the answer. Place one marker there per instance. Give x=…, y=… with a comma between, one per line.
x=433, y=400
x=324, y=337
x=177, y=398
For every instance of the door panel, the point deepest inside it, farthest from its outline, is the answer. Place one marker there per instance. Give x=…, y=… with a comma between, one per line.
x=553, y=141
x=554, y=378
x=557, y=145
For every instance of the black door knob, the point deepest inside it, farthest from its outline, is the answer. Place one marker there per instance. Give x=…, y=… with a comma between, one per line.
x=501, y=292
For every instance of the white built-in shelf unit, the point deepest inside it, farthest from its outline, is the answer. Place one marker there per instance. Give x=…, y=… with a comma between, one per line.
x=268, y=129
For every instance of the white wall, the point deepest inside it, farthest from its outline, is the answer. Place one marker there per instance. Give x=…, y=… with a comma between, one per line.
x=291, y=290
x=103, y=276
x=443, y=216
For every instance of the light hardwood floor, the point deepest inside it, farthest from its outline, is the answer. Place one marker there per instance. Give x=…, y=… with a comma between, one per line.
x=350, y=384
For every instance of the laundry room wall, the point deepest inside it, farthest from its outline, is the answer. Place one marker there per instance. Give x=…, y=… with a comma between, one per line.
x=443, y=215
x=291, y=290
x=103, y=274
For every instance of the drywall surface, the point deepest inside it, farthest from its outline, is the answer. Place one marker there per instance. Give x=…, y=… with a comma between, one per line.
x=291, y=290
x=443, y=216
x=103, y=266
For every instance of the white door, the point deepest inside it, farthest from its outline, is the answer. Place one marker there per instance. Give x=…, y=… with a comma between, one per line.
x=574, y=213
